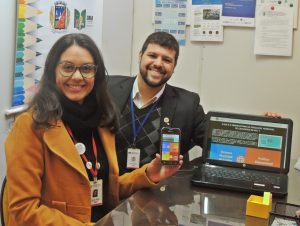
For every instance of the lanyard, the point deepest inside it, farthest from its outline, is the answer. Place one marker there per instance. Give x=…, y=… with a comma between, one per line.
x=94, y=172
x=137, y=131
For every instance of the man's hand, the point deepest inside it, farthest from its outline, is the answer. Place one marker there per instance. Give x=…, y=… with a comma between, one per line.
x=272, y=114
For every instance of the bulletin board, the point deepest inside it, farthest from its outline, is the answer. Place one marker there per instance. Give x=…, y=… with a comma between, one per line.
x=38, y=25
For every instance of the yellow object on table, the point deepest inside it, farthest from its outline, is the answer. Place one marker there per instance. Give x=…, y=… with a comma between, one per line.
x=259, y=206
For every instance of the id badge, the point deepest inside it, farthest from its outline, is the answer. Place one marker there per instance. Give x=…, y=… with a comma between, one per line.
x=133, y=158
x=96, y=193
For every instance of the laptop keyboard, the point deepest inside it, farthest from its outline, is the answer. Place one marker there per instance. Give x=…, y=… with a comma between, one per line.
x=243, y=175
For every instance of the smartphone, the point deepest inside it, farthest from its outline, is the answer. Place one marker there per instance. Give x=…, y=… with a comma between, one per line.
x=170, y=145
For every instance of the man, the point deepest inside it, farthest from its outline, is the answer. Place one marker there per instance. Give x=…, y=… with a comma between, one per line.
x=147, y=103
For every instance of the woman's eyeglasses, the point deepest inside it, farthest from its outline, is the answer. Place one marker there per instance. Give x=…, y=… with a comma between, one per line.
x=67, y=69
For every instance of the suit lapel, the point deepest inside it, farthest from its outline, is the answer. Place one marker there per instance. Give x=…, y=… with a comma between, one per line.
x=60, y=143
x=123, y=93
x=169, y=104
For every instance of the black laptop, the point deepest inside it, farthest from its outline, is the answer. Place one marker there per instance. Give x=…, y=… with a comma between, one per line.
x=247, y=153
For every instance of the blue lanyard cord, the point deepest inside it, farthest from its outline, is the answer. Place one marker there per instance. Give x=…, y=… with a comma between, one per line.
x=137, y=131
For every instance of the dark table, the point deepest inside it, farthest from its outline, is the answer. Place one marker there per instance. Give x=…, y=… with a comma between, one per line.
x=177, y=202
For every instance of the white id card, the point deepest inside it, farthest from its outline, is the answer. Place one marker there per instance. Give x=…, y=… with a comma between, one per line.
x=133, y=158
x=96, y=193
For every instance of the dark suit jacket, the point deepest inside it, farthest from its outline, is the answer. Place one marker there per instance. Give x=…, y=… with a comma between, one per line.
x=182, y=107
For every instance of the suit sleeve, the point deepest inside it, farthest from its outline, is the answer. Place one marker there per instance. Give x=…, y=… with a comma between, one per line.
x=198, y=123
x=25, y=167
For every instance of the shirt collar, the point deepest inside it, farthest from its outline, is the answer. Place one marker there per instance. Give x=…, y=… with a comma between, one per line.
x=137, y=98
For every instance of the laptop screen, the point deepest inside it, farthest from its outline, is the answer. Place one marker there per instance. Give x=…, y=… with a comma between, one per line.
x=249, y=141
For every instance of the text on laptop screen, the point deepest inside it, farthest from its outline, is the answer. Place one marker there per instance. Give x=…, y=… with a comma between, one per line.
x=248, y=142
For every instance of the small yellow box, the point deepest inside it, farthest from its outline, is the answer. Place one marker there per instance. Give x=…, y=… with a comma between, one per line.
x=258, y=207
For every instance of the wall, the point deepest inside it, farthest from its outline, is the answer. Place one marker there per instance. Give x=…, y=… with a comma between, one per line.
x=228, y=76
x=117, y=36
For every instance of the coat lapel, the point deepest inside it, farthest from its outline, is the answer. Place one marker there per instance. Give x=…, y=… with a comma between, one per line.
x=108, y=141
x=60, y=143
x=169, y=106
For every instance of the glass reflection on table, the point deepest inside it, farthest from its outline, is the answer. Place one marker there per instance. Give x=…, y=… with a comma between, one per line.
x=177, y=202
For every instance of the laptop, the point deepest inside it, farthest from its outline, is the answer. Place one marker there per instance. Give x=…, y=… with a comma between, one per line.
x=246, y=153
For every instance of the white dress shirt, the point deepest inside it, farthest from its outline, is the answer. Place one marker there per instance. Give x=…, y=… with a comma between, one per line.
x=137, y=97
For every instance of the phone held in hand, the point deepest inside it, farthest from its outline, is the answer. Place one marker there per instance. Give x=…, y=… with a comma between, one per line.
x=170, y=146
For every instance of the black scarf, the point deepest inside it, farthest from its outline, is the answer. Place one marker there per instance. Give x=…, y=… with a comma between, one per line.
x=78, y=116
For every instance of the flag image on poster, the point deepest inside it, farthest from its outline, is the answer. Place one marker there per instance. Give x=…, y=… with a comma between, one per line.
x=59, y=16
x=79, y=19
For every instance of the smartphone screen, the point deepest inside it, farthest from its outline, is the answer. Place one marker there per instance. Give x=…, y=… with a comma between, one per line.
x=170, y=146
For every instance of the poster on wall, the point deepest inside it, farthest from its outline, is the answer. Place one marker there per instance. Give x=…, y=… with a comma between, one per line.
x=206, y=22
x=239, y=13
x=274, y=31
x=170, y=16
x=287, y=3
x=39, y=25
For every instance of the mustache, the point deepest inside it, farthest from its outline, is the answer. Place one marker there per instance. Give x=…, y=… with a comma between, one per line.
x=157, y=68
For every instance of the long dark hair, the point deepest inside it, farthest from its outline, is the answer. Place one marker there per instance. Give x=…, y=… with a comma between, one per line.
x=45, y=104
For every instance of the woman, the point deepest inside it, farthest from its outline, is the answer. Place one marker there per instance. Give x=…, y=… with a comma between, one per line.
x=61, y=162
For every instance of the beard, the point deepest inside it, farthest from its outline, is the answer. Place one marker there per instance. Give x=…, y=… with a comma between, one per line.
x=146, y=78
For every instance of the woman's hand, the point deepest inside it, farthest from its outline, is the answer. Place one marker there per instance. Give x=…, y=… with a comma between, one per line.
x=158, y=172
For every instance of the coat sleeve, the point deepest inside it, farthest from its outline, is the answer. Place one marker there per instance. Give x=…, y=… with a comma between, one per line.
x=133, y=181
x=25, y=166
